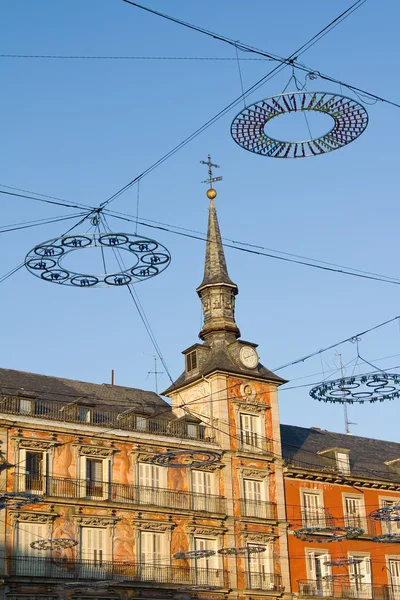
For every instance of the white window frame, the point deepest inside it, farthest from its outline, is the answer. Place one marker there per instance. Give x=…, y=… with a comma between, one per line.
x=394, y=525
x=22, y=472
x=393, y=578
x=315, y=516
x=255, y=434
x=358, y=519
x=260, y=566
x=362, y=586
x=343, y=462
x=148, y=566
x=319, y=587
x=250, y=510
x=203, y=576
x=106, y=477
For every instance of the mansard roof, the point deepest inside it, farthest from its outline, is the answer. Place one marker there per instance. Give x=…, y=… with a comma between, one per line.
x=67, y=391
x=301, y=447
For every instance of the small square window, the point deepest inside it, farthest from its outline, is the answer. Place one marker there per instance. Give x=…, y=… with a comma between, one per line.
x=84, y=414
x=25, y=406
x=343, y=463
x=191, y=361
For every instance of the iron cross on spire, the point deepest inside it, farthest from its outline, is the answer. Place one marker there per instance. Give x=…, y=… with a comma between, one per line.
x=211, y=193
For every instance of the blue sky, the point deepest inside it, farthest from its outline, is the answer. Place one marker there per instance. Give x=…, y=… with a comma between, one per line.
x=81, y=129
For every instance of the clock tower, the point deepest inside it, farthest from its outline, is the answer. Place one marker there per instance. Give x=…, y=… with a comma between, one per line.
x=227, y=393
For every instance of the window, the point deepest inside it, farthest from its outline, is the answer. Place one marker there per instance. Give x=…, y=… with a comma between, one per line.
x=394, y=577
x=32, y=471
x=343, y=463
x=250, y=431
x=313, y=511
x=253, y=505
x=201, y=487
x=95, y=477
x=27, y=563
x=84, y=414
x=25, y=406
x=260, y=572
x=95, y=551
x=360, y=576
x=207, y=568
x=141, y=423
x=191, y=361
x=152, y=484
x=192, y=430
x=318, y=571
x=153, y=555
x=390, y=526
x=354, y=512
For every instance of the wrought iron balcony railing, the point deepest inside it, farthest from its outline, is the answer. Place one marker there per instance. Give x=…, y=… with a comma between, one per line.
x=263, y=581
x=120, y=493
x=258, y=508
x=316, y=517
x=83, y=570
x=321, y=517
x=252, y=442
x=46, y=409
x=355, y=589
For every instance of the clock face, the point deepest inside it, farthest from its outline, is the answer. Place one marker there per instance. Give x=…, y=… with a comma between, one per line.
x=248, y=357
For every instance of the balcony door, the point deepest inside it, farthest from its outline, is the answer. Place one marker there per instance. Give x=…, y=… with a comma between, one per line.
x=152, y=484
x=250, y=432
x=313, y=512
x=319, y=572
x=206, y=572
x=253, y=498
x=394, y=578
x=95, y=552
x=28, y=561
x=153, y=557
x=260, y=570
x=32, y=471
x=360, y=577
x=201, y=487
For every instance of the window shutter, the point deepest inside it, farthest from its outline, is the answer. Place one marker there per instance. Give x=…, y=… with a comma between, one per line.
x=311, y=565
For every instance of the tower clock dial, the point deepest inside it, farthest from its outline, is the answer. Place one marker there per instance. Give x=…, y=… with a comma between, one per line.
x=248, y=357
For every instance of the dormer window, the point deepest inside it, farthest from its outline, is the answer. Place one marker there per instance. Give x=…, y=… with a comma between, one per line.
x=191, y=361
x=343, y=463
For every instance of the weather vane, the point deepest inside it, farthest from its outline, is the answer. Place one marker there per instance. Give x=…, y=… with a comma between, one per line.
x=211, y=193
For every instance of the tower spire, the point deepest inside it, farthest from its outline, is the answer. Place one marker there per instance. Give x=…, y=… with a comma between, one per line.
x=217, y=291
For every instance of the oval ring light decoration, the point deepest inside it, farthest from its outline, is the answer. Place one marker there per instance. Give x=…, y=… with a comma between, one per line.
x=148, y=259
x=349, y=117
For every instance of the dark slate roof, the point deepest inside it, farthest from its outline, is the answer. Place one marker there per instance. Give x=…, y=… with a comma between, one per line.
x=215, y=269
x=220, y=360
x=105, y=396
x=300, y=447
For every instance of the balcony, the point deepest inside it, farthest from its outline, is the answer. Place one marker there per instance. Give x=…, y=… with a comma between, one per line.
x=321, y=517
x=55, y=411
x=317, y=517
x=356, y=589
x=269, y=582
x=252, y=442
x=120, y=493
x=258, y=509
x=82, y=570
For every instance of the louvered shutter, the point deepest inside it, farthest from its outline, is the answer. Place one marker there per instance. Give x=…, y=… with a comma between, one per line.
x=394, y=566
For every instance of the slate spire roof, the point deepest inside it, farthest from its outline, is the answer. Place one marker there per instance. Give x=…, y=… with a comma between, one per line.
x=215, y=269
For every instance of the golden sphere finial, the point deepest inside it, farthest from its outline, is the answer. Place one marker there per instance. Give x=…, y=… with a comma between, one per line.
x=211, y=193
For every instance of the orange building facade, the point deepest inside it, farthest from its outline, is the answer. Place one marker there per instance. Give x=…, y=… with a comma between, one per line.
x=337, y=480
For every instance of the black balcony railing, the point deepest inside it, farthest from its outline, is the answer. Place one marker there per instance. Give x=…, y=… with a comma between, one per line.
x=258, y=508
x=120, y=493
x=263, y=581
x=77, y=570
x=55, y=411
x=355, y=589
x=321, y=517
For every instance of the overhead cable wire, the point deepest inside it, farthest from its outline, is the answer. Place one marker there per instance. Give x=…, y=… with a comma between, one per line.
x=92, y=57
x=202, y=238
x=282, y=64
x=47, y=201
x=287, y=61
x=28, y=224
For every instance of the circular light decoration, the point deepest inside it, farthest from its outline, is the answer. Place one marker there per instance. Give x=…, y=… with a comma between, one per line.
x=17, y=499
x=359, y=389
x=327, y=534
x=387, y=513
x=349, y=120
x=242, y=550
x=342, y=562
x=387, y=538
x=190, y=458
x=147, y=257
x=194, y=554
x=54, y=544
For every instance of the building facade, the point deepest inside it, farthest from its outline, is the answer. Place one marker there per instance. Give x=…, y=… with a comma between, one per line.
x=89, y=512
x=338, y=480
